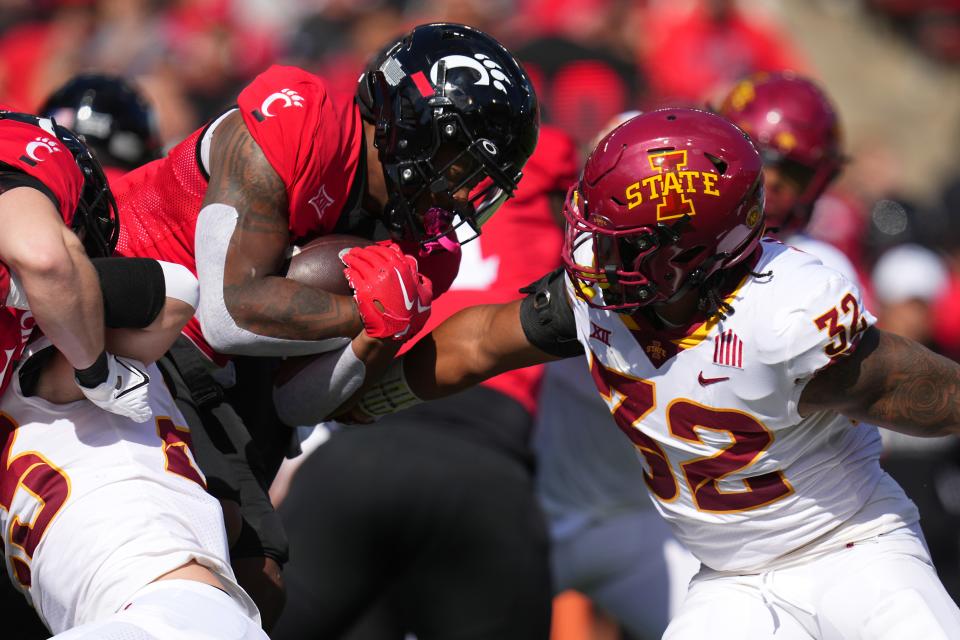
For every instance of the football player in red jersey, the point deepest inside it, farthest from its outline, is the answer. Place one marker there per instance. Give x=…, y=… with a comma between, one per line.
x=443, y=123
x=747, y=375
x=48, y=452
x=51, y=185
x=469, y=450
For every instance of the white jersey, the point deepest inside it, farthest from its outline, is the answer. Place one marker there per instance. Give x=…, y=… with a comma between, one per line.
x=828, y=254
x=94, y=506
x=586, y=471
x=730, y=463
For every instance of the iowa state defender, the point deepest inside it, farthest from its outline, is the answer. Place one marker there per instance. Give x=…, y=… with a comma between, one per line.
x=747, y=376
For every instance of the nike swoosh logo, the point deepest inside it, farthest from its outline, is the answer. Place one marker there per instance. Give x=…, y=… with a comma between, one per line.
x=403, y=290
x=705, y=381
x=144, y=378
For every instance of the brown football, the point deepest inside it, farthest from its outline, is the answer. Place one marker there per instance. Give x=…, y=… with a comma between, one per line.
x=317, y=263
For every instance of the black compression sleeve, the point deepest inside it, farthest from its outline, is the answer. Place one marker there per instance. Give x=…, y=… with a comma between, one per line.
x=133, y=289
x=547, y=318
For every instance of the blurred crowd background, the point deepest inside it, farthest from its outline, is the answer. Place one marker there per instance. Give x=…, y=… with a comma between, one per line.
x=892, y=68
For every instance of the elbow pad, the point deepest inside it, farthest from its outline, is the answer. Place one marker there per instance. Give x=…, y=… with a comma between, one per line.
x=547, y=318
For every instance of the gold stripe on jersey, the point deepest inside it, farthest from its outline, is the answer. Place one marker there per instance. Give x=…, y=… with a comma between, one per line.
x=702, y=330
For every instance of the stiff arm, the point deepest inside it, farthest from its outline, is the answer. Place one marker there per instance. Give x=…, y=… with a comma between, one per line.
x=473, y=345
x=892, y=382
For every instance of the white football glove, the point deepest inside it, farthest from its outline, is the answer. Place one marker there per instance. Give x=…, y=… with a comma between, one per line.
x=124, y=392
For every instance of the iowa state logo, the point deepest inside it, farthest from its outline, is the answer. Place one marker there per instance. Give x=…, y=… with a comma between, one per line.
x=670, y=185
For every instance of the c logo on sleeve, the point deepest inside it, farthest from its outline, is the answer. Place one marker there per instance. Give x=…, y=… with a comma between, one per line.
x=288, y=98
x=39, y=149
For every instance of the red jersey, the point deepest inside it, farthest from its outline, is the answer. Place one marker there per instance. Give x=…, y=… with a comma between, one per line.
x=518, y=245
x=311, y=141
x=40, y=154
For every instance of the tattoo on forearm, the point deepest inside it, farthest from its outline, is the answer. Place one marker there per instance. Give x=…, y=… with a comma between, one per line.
x=923, y=388
x=242, y=177
x=892, y=382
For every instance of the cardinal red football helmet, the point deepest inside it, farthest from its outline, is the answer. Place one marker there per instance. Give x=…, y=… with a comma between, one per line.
x=796, y=128
x=665, y=201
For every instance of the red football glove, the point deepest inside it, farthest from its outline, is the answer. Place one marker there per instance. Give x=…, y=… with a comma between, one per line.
x=392, y=296
x=440, y=265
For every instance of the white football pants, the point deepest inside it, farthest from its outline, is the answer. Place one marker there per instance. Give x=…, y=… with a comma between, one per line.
x=173, y=610
x=883, y=588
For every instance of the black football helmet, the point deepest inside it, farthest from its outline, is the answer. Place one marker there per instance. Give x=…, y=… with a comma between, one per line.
x=110, y=115
x=453, y=110
x=96, y=220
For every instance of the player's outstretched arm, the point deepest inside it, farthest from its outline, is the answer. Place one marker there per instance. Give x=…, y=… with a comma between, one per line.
x=469, y=347
x=241, y=242
x=473, y=345
x=892, y=382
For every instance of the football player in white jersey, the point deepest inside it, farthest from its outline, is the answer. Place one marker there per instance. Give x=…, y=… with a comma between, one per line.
x=797, y=130
x=746, y=375
x=606, y=539
x=106, y=524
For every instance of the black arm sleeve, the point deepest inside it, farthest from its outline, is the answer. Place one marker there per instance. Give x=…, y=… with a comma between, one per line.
x=134, y=291
x=547, y=318
x=12, y=178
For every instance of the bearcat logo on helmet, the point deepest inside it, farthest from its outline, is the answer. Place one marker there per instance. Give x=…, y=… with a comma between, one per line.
x=442, y=98
x=670, y=185
x=482, y=64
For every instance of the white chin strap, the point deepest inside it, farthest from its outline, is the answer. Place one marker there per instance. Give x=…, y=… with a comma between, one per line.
x=215, y=227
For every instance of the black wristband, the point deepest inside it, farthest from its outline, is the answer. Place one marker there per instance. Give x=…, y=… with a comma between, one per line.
x=95, y=374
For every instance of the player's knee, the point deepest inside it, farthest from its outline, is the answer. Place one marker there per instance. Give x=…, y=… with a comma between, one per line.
x=262, y=579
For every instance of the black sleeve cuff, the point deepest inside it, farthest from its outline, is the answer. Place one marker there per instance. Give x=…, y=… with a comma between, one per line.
x=12, y=178
x=133, y=289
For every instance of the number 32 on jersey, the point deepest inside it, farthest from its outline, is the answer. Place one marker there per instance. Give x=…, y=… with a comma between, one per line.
x=632, y=399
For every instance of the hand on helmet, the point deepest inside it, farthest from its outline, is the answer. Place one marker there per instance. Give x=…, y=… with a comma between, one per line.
x=392, y=296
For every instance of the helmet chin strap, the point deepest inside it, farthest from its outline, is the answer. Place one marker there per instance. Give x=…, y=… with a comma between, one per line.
x=437, y=223
x=695, y=279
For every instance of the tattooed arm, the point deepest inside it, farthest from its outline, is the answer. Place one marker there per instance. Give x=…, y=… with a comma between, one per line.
x=891, y=382
x=246, y=191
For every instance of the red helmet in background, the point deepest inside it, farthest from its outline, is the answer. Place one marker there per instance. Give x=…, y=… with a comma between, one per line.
x=797, y=130
x=666, y=200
